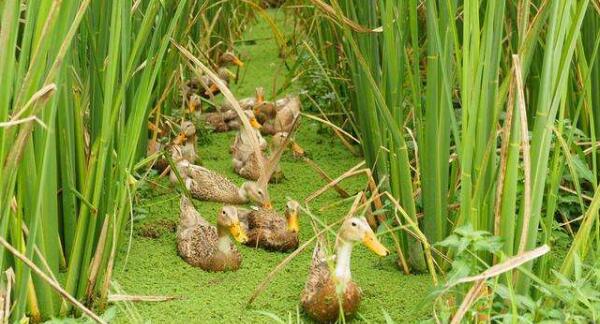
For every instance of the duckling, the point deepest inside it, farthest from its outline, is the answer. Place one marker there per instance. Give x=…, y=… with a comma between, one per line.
x=205, y=246
x=325, y=289
x=268, y=230
x=208, y=185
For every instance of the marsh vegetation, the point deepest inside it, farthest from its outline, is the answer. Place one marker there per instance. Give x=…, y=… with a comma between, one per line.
x=453, y=144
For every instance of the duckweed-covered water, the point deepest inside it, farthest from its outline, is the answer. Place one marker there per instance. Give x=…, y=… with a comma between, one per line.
x=149, y=265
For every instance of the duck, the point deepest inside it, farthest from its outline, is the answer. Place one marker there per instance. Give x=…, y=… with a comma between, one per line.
x=207, y=185
x=224, y=121
x=245, y=103
x=278, y=116
x=250, y=162
x=204, y=86
x=287, y=110
x=242, y=149
x=325, y=287
x=203, y=245
x=186, y=141
x=267, y=229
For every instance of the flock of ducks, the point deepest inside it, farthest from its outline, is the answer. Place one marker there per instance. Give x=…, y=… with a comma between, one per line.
x=329, y=288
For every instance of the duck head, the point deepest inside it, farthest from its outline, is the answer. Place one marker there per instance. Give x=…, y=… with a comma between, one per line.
x=292, y=211
x=229, y=57
x=252, y=191
x=228, y=219
x=356, y=229
x=187, y=131
x=252, y=119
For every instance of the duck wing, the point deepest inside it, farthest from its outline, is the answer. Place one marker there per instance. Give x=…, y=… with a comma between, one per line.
x=319, y=273
x=211, y=186
x=189, y=216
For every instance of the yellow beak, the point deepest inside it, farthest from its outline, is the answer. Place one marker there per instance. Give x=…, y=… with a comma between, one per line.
x=238, y=233
x=180, y=138
x=237, y=62
x=255, y=123
x=293, y=224
x=374, y=245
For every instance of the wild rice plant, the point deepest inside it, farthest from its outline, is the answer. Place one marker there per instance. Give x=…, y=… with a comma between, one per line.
x=78, y=81
x=462, y=110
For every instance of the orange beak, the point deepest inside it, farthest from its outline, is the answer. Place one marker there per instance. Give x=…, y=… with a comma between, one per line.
x=237, y=62
x=212, y=89
x=153, y=127
x=255, y=123
x=192, y=106
x=268, y=205
x=180, y=139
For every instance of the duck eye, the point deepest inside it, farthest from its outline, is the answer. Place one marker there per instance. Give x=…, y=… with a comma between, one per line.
x=354, y=224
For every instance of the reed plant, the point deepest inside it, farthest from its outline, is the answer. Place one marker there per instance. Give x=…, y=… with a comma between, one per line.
x=79, y=79
x=467, y=113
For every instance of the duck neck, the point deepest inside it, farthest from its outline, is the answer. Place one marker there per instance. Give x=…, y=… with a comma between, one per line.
x=243, y=194
x=191, y=141
x=342, y=265
x=224, y=242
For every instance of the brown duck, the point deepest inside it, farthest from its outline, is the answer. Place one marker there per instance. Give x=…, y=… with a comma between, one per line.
x=208, y=185
x=252, y=164
x=229, y=120
x=328, y=286
x=184, y=143
x=205, y=246
x=268, y=230
x=204, y=86
x=287, y=111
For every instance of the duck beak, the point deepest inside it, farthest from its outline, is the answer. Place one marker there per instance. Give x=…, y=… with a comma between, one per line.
x=180, y=138
x=370, y=241
x=293, y=224
x=212, y=89
x=237, y=62
x=255, y=123
x=238, y=233
x=268, y=205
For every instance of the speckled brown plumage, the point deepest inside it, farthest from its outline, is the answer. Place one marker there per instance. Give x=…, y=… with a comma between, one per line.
x=319, y=298
x=251, y=170
x=153, y=148
x=211, y=186
x=268, y=229
x=197, y=242
x=222, y=121
x=287, y=110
